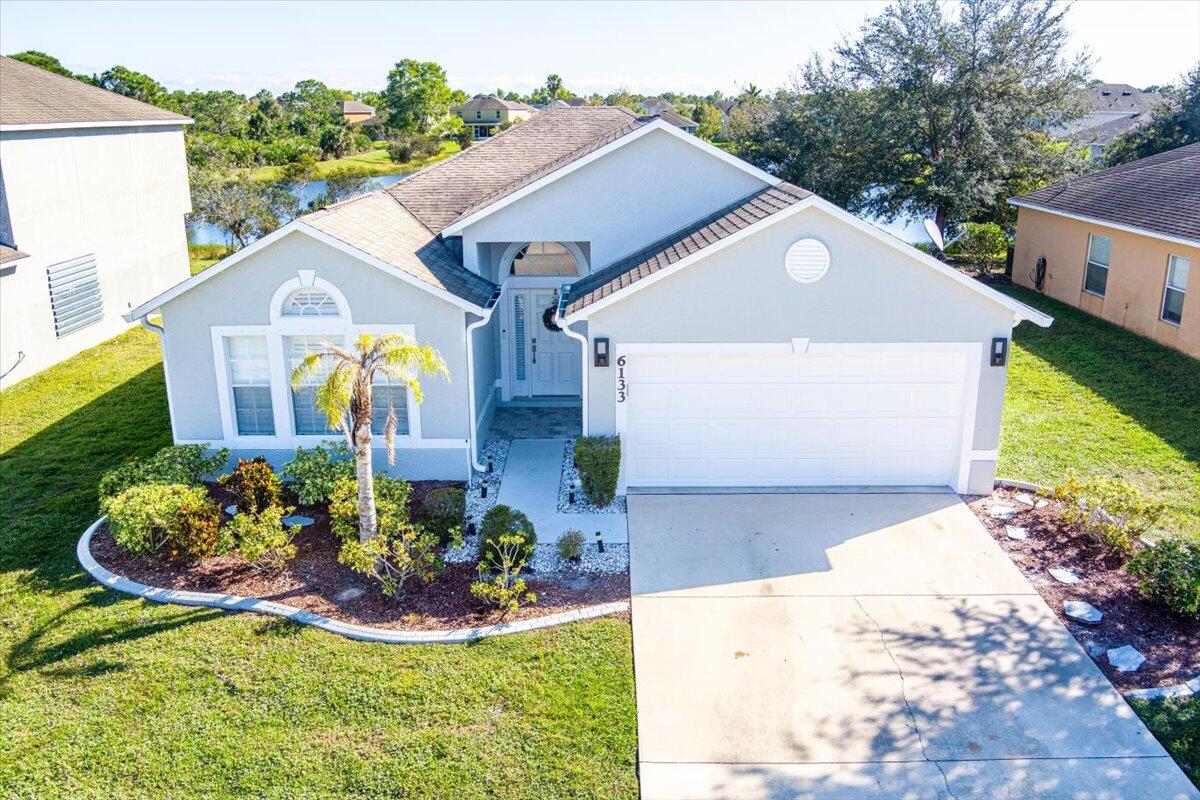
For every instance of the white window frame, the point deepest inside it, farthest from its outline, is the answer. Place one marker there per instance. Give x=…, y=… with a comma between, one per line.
x=1162, y=306
x=226, y=367
x=1087, y=263
x=276, y=331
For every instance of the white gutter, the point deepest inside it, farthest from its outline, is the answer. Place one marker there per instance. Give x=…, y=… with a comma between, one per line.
x=473, y=437
x=16, y=127
x=1117, y=226
x=150, y=326
x=583, y=347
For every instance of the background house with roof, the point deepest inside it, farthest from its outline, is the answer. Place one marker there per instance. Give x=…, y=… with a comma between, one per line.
x=685, y=124
x=93, y=193
x=356, y=111
x=483, y=115
x=1111, y=110
x=1123, y=244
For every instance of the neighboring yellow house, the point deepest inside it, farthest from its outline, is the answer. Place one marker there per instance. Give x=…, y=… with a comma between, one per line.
x=484, y=114
x=1122, y=244
x=354, y=111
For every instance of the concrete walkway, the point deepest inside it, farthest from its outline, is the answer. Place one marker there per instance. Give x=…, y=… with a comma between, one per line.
x=870, y=646
x=530, y=484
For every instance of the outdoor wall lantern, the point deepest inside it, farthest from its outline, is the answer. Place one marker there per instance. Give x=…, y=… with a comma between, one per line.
x=999, y=351
x=600, y=347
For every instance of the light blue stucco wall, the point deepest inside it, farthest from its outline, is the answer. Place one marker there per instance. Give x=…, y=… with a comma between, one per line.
x=871, y=293
x=619, y=203
x=241, y=295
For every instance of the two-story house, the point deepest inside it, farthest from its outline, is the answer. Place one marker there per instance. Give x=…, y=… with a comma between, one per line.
x=483, y=115
x=93, y=193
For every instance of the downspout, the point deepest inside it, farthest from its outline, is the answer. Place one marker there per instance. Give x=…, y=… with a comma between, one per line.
x=473, y=438
x=583, y=348
x=150, y=326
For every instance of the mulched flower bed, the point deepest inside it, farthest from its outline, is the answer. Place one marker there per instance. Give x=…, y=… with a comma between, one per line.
x=315, y=581
x=1170, y=643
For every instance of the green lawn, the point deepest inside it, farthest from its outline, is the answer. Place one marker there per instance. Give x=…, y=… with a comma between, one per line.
x=102, y=695
x=372, y=162
x=1088, y=398
x=1176, y=723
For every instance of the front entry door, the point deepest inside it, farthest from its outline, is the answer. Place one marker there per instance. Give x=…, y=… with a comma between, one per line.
x=543, y=362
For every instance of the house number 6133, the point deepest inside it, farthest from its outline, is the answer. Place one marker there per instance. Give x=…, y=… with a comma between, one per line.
x=622, y=386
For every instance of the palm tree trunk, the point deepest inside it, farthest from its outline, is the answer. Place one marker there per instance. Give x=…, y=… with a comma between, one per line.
x=367, y=521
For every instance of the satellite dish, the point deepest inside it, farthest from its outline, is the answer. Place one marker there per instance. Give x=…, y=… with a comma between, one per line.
x=935, y=235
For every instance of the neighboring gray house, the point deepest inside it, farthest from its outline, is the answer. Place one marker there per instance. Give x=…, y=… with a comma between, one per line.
x=733, y=329
x=653, y=106
x=685, y=124
x=1112, y=109
x=93, y=193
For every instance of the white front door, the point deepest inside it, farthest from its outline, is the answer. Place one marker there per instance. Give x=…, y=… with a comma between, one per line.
x=542, y=361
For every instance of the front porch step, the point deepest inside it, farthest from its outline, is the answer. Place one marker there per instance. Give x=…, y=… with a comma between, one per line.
x=542, y=402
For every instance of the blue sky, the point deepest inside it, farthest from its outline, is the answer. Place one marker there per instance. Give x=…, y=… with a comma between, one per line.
x=645, y=47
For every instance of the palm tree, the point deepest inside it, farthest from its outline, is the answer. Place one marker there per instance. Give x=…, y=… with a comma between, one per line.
x=345, y=399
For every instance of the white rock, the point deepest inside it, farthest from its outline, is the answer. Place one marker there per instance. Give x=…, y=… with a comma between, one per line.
x=1082, y=612
x=1064, y=575
x=231, y=510
x=1041, y=503
x=1001, y=512
x=298, y=519
x=1126, y=658
x=1016, y=532
x=1024, y=499
x=346, y=595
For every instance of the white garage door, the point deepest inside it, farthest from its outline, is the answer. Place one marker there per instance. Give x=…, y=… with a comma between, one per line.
x=866, y=418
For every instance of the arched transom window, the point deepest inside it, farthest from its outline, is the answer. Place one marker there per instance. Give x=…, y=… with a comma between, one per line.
x=544, y=258
x=310, y=302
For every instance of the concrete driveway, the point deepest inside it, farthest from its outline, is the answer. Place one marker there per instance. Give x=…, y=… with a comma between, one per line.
x=860, y=646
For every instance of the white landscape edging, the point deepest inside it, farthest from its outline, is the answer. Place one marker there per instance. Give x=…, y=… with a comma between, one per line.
x=363, y=633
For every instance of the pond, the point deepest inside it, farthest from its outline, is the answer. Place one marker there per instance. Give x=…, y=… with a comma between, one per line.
x=205, y=233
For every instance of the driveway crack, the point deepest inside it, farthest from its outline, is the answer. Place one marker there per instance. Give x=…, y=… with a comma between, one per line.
x=904, y=697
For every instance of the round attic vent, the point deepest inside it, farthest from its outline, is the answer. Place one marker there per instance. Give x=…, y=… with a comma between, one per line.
x=807, y=260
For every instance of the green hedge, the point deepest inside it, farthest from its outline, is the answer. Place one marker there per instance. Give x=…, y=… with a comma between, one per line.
x=598, y=459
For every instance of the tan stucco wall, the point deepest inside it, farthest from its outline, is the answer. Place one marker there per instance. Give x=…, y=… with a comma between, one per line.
x=356, y=116
x=1136, y=276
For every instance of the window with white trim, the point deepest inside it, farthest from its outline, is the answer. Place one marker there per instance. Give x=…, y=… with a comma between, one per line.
x=310, y=302
x=388, y=393
x=544, y=258
x=1095, y=277
x=308, y=419
x=1178, y=268
x=250, y=385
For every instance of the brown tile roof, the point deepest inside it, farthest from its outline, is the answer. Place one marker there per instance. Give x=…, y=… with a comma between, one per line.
x=451, y=189
x=378, y=225
x=30, y=96
x=1160, y=194
x=493, y=103
x=682, y=243
x=678, y=120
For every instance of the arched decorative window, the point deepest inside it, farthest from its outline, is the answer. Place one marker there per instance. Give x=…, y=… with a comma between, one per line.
x=310, y=301
x=544, y=258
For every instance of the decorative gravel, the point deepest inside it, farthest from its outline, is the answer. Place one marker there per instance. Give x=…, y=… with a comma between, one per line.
x=477, y=506
x=570, y=477
x=615, y=558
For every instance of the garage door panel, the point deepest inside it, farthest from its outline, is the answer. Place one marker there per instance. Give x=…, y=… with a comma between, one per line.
x=882, y=418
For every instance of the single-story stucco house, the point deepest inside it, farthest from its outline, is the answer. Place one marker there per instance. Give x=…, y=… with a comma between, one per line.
x=733, y=329
x=1122, y=244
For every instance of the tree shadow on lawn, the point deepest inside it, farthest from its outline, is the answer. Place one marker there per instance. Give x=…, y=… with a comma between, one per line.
x=1154, y=385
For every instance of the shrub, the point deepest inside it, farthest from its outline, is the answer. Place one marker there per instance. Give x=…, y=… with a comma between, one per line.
x=182, y=464
x=1111, y=512
x=598, y=459
x=979, y=240
x=197, y=530
x=409, y=146
x=1169, y=573
x=503, y=521
x=442, y=512
x=255, y=485
x=506, y=589
x=262, y=539
x=314, y=472
x=394, y=557
x=391, y=506
x=570, y=546
x=146, y=516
